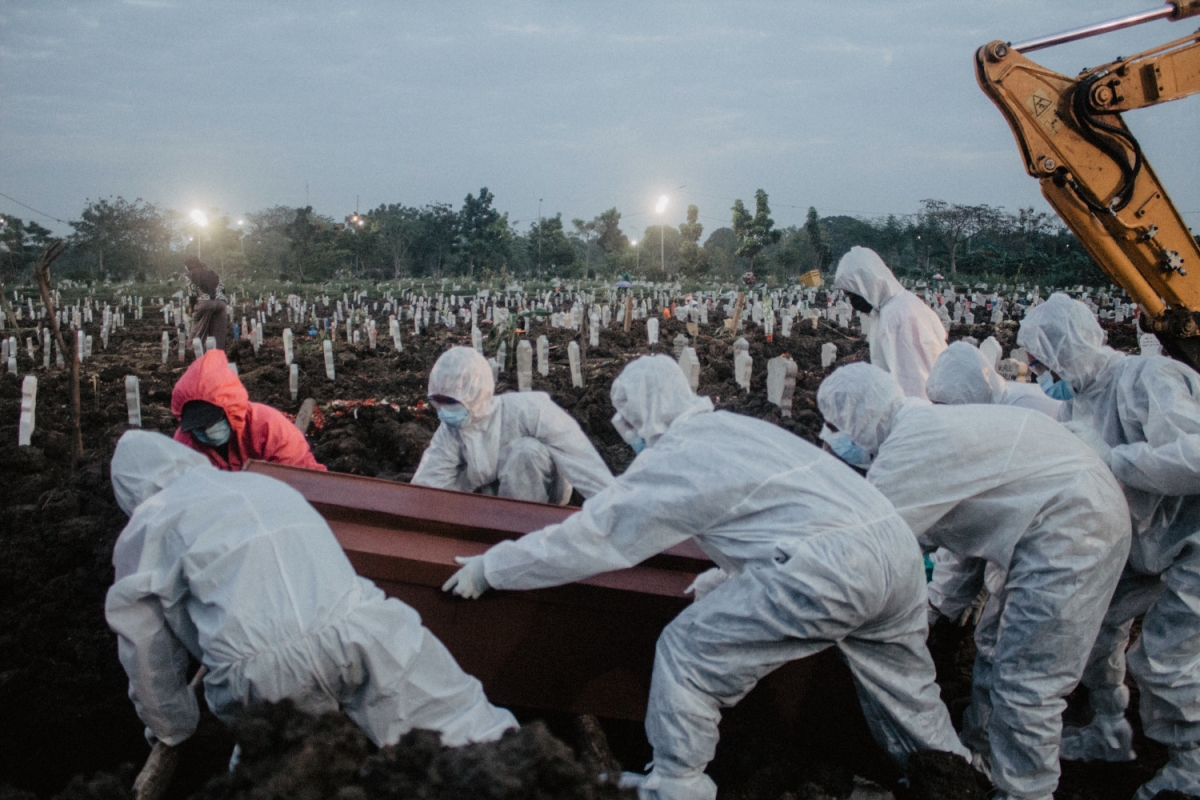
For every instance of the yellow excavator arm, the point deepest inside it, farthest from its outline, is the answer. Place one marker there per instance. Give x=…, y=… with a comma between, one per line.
x=1093, y=172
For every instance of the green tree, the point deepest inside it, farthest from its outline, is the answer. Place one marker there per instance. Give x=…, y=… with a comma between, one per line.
x=20, y=244
x=486, y=238
x=818, y=241
x=398, y=230
x=548, y=238
x=691, y=258
x=132, y=236
x=952, y=224
x=754, y=232
x=608, y=232
x=586, y=230
x=720, y=251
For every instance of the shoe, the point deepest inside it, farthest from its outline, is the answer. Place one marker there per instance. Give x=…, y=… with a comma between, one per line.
x=1106, y=738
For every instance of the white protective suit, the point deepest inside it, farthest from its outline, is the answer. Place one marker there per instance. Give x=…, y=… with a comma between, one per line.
x=237, y=571
x=818, y=558
x=1147, y=411
x=1018, y=490
x=906, y=335
x=519, y=445
x=963, y=375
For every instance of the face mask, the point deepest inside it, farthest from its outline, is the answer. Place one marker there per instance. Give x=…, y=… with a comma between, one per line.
x=845, y=448
x=849, y=452
x=638, y=444
x=1058, y=390
x=214, y=435
x=455, y=416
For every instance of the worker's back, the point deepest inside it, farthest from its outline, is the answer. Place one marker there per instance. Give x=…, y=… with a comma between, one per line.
x=240, y=562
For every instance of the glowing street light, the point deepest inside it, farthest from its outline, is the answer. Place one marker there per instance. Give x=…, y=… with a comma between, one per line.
x=638, y=251
x=201, y=222
x=242, y=239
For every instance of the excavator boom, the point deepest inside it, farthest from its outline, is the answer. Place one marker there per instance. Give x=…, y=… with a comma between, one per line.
x=1092, y=170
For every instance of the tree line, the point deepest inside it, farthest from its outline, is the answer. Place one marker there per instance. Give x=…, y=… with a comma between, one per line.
x=117, y=239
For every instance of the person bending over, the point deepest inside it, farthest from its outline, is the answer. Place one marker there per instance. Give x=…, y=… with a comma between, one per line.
x=519, y=445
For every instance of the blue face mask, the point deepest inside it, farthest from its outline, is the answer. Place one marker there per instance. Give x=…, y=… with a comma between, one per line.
x=214, y=435
x=848, y=451
x=455, y=416
x=1058, y=390
x=638, y=444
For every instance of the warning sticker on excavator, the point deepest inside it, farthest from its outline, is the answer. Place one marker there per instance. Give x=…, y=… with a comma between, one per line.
x=1042, y=107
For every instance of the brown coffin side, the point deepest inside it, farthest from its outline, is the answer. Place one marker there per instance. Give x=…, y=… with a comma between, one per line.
x=583, y=648
x=587, y=647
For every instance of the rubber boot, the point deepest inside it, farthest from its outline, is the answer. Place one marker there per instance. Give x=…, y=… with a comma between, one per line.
x=1106, y=738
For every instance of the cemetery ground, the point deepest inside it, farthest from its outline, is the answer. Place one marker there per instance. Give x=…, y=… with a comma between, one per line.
x=63, y=701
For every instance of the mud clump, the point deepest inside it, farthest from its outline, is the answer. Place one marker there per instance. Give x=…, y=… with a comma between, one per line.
x=288, y=754
x=934, y=775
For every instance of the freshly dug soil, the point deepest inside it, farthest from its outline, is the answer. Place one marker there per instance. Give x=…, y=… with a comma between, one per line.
x=62, y=689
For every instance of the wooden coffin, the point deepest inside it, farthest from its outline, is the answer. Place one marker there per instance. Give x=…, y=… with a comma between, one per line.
x=587, y=647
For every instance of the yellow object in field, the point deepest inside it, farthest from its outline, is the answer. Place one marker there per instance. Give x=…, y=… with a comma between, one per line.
x=811, y=278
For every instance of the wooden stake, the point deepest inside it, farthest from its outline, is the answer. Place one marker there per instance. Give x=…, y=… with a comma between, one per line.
x=737, y=311
x=628, y=311
x=305, y=414
x=155, y=778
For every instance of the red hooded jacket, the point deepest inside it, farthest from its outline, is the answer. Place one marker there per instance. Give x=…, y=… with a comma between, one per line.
x=258, y=431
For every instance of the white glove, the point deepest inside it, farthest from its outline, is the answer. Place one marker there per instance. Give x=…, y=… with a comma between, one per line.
x=1091, y=437
x=707, y=581
x=468, y=582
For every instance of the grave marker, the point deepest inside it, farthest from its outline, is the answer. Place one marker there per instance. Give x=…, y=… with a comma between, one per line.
x=133, y=400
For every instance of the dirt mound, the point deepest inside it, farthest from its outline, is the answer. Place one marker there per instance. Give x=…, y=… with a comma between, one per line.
x=287, y=754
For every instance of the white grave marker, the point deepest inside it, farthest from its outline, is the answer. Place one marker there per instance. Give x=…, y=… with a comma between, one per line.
x=743, y=364
x=133, y=400
x=543, y=356
x=689, y=362
x=576, y=366
x=294, y=380
x=524, y=366
x=28, y=407
x=828, y=354
x=652, y=330
x=329, y=373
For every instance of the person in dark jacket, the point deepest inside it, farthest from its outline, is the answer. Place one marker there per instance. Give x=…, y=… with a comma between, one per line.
x=209, y=314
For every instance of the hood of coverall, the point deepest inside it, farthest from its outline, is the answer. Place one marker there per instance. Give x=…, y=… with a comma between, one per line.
x=465, y=375
x=862, y=401
x=863, y=272
x=961, y=375
x=652, y=393
x=210, y=379
x=1064, y=335
x=145, y=463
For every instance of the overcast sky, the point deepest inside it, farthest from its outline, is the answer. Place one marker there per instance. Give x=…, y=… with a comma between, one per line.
x=860, y=108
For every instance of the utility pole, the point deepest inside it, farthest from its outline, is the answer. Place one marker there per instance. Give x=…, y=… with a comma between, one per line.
x=539, y=253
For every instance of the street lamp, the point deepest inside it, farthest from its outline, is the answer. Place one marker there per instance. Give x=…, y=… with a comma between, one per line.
x=201, y=222
x=242, y=238
x=659, y=209
x=638, y=251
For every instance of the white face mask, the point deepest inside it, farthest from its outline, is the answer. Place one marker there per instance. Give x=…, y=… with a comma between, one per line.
x=216, y=434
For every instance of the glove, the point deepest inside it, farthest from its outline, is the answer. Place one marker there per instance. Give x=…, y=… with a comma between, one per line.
x=1091, y=437
x=707, y=581
x=468, y=582
x=974, y=611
